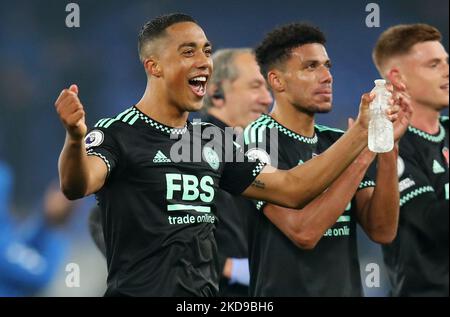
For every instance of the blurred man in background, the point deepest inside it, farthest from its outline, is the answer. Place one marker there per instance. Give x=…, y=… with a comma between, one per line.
x=30, y=254
x=237, y=95
x=413, y=59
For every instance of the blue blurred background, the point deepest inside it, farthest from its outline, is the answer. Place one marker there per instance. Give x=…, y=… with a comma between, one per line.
x=39, y=56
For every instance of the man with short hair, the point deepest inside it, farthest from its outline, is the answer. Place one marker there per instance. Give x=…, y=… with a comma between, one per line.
x=312, y=251
x=237, y=94
x=158, y=209
x=413, y=59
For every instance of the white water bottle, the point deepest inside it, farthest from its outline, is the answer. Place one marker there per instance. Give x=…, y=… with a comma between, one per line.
x=381, y=130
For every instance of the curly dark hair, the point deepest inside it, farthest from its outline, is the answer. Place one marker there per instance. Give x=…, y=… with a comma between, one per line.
x=277, y=45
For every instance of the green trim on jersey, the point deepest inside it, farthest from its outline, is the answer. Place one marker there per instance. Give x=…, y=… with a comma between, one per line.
x=260, y=204
x=443, y=118
x=415, y=193
x=344, y=218
x=92, y=152
x=131, y=115
x=157, y=125
x=429, y=137
x=258, y=168
x=264, y=122
x=323, y=128
x=123, y=116
x=366, y=184
x=251, y=129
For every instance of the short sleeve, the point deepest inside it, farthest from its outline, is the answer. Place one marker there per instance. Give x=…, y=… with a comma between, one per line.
x=240, y=173
x=100, y=142
x=413, y=179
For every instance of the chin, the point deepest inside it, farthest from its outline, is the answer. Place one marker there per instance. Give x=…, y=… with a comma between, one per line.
x=443, y=106
x=324, y=108
x=194, y=106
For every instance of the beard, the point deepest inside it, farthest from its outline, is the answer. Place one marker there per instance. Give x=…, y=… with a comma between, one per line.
x=314, y=109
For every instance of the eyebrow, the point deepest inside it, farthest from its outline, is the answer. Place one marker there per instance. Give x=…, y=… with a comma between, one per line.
x=192, y=44
x=328, y=61
x=437, y=60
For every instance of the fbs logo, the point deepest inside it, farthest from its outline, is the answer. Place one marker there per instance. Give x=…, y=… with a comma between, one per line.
x=437, y=168
x=161, y=158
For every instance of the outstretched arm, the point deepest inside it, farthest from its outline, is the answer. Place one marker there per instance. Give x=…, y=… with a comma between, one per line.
x=296, y=187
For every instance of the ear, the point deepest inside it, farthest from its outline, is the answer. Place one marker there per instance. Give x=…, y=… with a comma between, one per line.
x=397, y=80
x=212, y=91
x=152, y=67
x=276, y=81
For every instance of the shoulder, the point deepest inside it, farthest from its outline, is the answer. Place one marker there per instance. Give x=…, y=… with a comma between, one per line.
x=325, y=132
x=408, y=144
x=205, y=125
x=126, y=118
x=110, y=129
x=444, y=121
x=118, y=124
x=207, y=131
x=258, y=130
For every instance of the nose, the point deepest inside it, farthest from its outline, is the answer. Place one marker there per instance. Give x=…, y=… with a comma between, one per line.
x=266, y=97
x=325, y=75
x=203, y=61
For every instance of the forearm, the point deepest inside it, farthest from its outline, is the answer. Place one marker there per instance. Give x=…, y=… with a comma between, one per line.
x=313, y=177
x=307, y=226
x=73, y=169
x=380, y=216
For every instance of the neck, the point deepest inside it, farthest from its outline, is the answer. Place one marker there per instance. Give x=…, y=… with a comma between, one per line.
x=425, y=118
x=297, y=121
x=154, y=104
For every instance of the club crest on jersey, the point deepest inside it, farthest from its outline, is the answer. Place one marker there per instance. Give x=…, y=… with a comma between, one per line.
x=211, y=157
x=258, y=154
x=445, y=153
x=400, y=167
x=94, y=138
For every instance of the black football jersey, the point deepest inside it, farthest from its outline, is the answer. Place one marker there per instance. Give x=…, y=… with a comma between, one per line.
x=158, y=203
x=278, y=267
x=417, y=260
x=231, y=234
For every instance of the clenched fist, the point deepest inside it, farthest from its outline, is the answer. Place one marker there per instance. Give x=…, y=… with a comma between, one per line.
x=71, y=112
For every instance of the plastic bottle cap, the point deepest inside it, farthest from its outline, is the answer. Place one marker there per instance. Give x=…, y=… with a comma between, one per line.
x=380, y=82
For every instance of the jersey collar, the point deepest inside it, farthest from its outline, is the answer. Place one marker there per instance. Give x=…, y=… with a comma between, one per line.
x=273, y=123
x=159, y=126
x=429, y=137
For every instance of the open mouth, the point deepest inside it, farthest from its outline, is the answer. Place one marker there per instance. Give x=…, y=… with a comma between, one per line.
x=198, y=85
